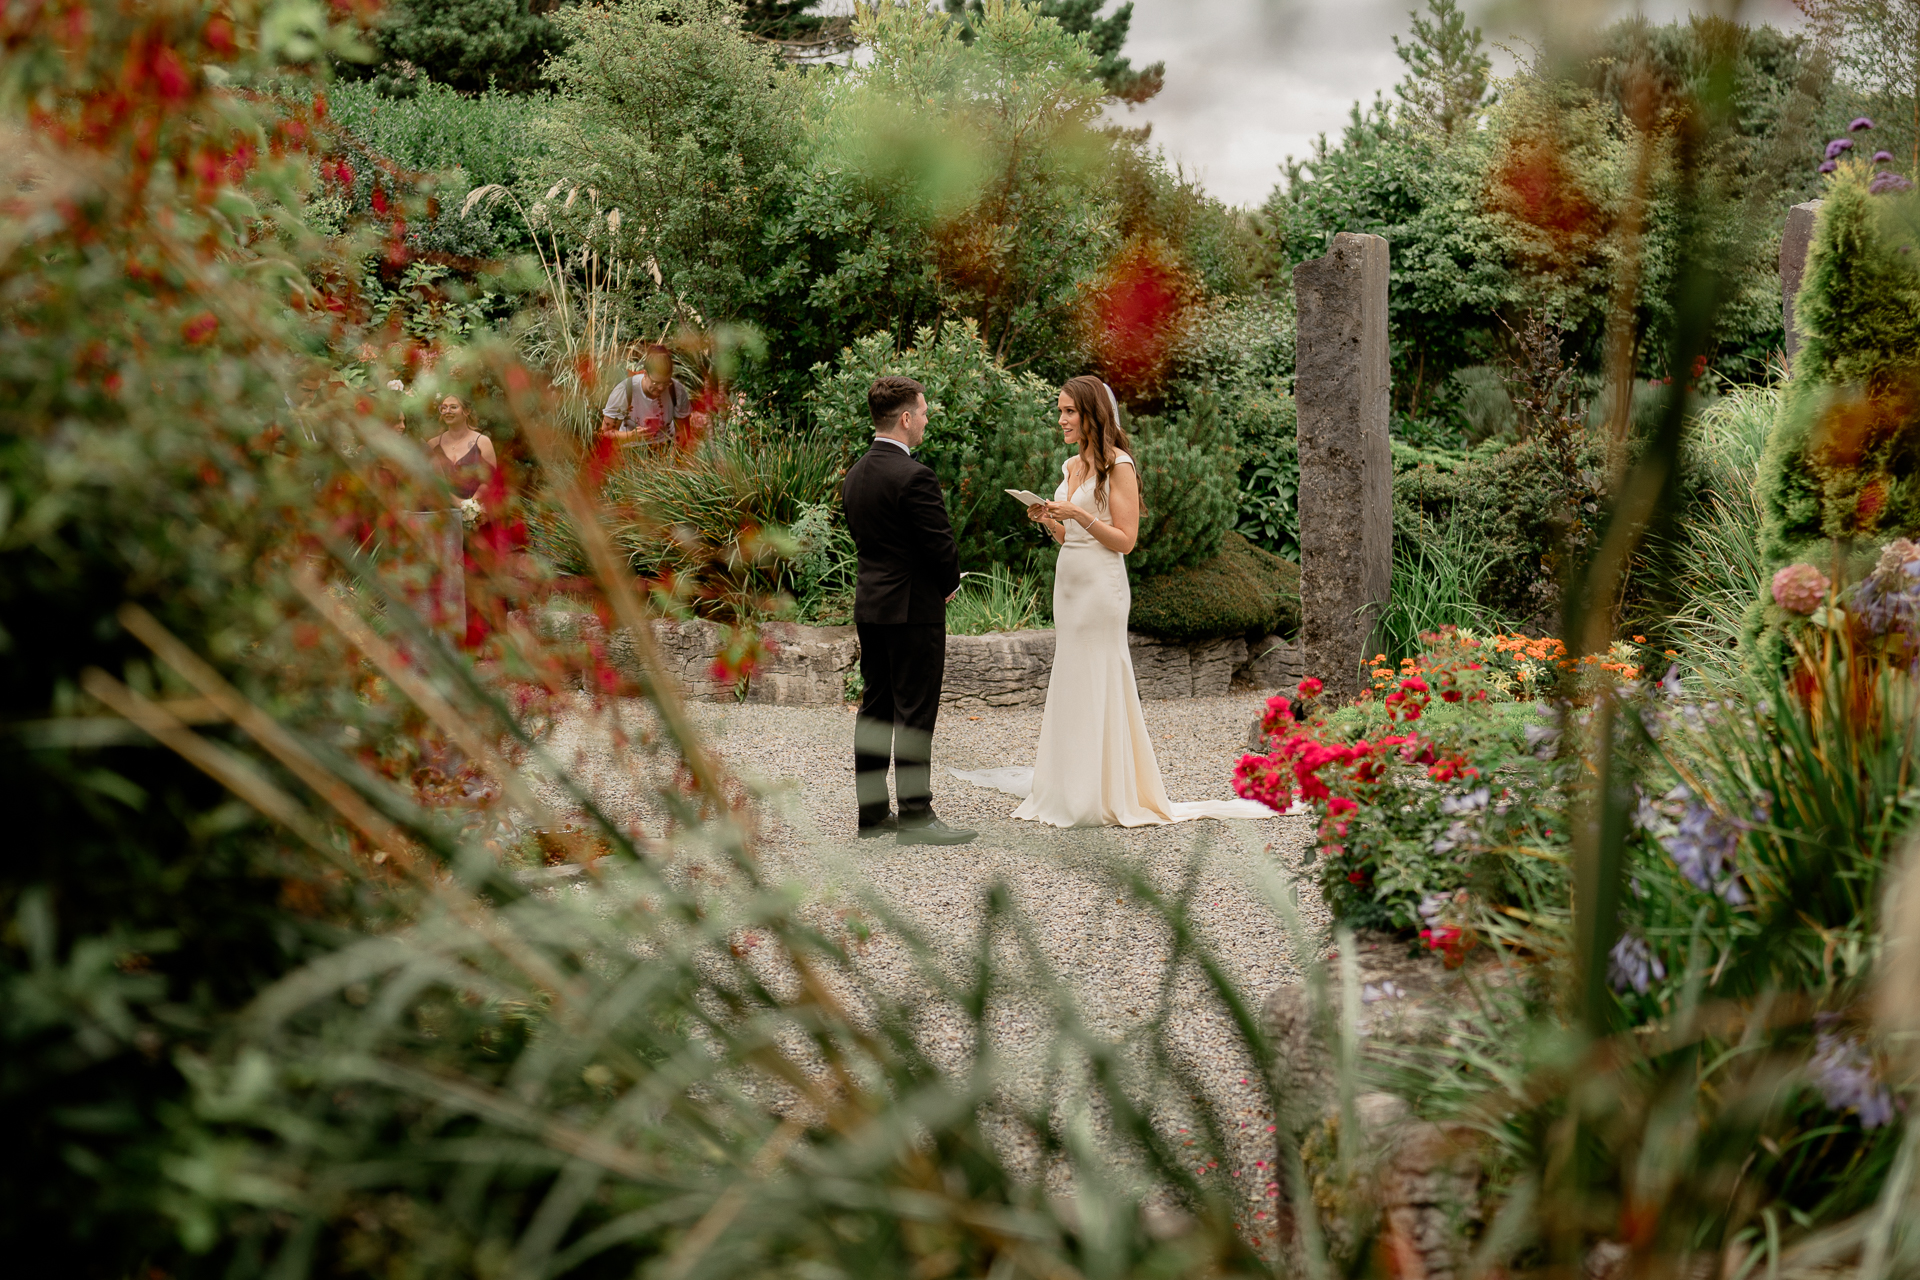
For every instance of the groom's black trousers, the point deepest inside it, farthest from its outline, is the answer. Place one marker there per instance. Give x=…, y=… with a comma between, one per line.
x=902, y=664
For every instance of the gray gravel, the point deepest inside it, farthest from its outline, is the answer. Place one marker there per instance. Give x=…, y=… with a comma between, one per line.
x=1111, y=954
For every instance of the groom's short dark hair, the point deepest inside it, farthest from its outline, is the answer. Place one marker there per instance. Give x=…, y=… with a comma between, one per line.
x=889, y=395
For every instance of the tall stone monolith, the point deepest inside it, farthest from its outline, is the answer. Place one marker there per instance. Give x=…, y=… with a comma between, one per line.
x=1341, y=386
x=1795, y=237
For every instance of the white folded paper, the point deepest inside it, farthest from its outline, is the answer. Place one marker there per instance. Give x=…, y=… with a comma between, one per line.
x=1026, y=499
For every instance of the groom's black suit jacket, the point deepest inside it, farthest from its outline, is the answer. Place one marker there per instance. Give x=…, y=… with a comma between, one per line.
x=908, y=562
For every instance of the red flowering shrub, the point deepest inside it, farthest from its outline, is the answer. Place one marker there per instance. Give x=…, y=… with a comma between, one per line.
x=1395, y=783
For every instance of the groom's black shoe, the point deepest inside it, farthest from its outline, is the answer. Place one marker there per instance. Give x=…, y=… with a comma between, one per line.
x=879, y=827
x=927, y=829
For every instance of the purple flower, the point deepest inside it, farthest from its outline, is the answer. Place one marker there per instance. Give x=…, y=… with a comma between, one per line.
x=1859, y=123
x=1632, y=964
x=1885, y=182
x=1883, y=157
x=1843, y=1072
x=1837, y=146
x=1703, y=847
x=1828, y=167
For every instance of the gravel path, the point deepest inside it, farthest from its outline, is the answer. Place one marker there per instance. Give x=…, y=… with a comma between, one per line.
x=1111, y=953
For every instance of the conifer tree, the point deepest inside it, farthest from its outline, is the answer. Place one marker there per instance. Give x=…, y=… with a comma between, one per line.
x=1105, y=37
x=781, y=19
x=469, y=44
x=1446, y=83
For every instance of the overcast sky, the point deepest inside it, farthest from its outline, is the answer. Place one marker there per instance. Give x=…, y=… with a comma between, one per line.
x=1251, y=81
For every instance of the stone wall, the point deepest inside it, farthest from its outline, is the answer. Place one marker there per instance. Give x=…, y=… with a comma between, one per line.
x=811, y=666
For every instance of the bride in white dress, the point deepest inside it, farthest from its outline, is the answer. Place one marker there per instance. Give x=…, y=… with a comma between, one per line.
x=1095, y=766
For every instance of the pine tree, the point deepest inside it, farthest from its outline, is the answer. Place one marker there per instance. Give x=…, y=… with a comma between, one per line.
x=1446, y=84
x=1105, y=36
x=469, y=44
x=781, y=19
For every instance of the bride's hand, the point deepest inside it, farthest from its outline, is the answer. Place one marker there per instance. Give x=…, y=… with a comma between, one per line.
x=1065, y=511
x=1037, y=512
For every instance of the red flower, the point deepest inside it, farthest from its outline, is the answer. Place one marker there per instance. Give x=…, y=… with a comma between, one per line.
x=1310, y=687
x=201, y=328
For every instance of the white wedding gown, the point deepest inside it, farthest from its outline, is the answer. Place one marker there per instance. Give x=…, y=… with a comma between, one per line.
x=1095, y=766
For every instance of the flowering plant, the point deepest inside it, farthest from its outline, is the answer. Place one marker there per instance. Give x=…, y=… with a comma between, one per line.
x=1403, y=784
x=1513, y=666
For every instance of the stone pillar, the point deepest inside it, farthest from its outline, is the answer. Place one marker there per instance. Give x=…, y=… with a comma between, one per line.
x=1793, y=264
x=1341, y=386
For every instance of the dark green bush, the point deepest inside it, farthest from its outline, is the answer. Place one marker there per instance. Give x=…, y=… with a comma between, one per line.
x=470, y=44
x=1188, y=487
x=1240, y=591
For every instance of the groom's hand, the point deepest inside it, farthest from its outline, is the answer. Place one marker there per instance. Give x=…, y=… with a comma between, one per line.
x=951, y=594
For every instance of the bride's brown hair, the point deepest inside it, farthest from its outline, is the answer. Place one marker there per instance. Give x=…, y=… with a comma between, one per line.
x=1102, y=437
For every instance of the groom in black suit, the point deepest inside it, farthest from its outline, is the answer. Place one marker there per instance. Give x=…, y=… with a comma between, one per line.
x=909, y=569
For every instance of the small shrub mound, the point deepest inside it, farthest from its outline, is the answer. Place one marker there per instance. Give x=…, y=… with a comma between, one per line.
x=1241, y=591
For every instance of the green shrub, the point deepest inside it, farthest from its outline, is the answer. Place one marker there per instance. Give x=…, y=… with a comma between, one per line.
x=672, y=114
x=1841, y=472
x=716, y=522
x=992, y=429
x=473, y=45
x=825, y=566
x=1243, y=590
x=466, y=140
x=1188, y=490
x=1266, y=424
x=1515, y=503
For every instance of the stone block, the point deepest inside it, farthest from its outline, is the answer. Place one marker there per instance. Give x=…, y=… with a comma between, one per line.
x=1273, y=665
x=1164, y=669
x=806, y=666
x=1415, y=1184
x=1005, y=669
x=1342, y=384
x=1161, y=668
x=1213, y=663
x=1795, y=239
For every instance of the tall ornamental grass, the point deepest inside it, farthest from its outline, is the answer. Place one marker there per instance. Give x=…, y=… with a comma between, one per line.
x=1721, y=570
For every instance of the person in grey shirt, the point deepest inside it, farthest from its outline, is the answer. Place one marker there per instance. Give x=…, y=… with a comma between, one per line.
x=650, y=404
